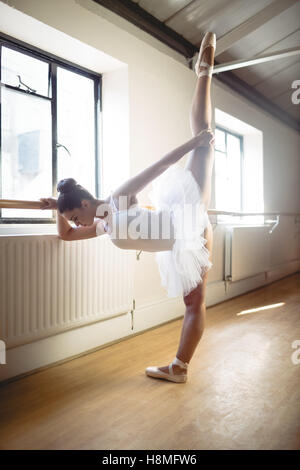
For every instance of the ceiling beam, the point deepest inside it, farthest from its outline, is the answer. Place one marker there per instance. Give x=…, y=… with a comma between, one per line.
x=241, y=87
x=133, y=13
x=237, y=64
x=143, y=20
x=252, y=24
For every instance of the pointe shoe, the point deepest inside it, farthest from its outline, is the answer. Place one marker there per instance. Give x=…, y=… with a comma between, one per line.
x=209, y=40
x=159, y=374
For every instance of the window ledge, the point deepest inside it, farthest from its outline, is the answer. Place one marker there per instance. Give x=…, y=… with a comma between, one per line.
x=242, y=225
x=28, y=229
x=51, y=229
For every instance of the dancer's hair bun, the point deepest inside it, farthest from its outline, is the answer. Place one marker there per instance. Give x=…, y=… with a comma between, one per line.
x=66, y=185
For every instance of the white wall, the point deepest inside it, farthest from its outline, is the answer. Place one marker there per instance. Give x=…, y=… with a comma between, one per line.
x=160, y=89
x=115, y=129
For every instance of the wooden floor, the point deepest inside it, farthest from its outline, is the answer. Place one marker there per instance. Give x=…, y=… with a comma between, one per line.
x=243, y=390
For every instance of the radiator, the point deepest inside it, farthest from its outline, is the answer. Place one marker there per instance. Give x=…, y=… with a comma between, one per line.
x=48, y=285
x=247, y=251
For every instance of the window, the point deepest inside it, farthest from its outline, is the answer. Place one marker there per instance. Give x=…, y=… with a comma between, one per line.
x=239, y=182
x=228, y=171
x=49, y=127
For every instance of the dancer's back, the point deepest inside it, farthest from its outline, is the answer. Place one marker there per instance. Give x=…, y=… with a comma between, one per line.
x=138, y=228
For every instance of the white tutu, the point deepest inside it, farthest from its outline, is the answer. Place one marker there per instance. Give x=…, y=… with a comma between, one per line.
x=181, y=269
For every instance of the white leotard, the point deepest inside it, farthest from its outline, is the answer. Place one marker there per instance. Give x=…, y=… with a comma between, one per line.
x=138, y=228
x=182, y=259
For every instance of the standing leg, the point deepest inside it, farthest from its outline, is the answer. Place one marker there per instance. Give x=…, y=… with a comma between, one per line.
x=195, y=312
x=195, y=315
x=200, y=162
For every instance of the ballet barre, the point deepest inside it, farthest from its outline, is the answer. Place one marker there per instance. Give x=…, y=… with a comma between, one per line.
x=22, y=204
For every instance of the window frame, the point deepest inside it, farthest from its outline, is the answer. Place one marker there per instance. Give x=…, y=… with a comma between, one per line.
x=241, y=139
x=54, y=62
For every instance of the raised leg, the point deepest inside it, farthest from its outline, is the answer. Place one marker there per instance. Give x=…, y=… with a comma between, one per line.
x=200, y=161
x=201, y=112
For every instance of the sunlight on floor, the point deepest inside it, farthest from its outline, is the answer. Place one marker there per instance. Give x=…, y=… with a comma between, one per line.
x=243, y=312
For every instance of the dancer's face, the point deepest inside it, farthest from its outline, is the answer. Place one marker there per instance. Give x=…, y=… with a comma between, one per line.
x=82, y=216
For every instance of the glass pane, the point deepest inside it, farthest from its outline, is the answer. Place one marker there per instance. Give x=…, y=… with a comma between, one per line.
x=220, y=140
x=234, y=172
x=221, y=182
x=26, y=151
x=33, y=72
x=76, y=128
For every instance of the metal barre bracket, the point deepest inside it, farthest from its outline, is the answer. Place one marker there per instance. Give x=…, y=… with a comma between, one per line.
x=275, y=224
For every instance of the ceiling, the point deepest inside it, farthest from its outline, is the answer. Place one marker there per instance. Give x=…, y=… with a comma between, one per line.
x=244, y=29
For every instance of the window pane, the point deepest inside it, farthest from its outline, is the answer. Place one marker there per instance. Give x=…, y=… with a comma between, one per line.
x=76, y=128
x=234, y=172
x=33, y=72
x=26, y=151
x=220, y=140
x=221, y=182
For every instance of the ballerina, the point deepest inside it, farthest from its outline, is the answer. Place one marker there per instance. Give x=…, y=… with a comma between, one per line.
x=183, y=251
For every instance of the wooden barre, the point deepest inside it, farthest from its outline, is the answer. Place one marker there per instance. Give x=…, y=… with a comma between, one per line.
x=20, y=204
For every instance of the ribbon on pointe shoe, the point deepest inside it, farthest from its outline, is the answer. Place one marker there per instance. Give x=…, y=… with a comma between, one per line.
x=177, y=362
x=207, y=72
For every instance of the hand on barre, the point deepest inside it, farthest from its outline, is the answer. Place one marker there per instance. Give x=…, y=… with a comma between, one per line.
x=48, y=203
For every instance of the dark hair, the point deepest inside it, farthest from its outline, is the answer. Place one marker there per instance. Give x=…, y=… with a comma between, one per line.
x=71, y=195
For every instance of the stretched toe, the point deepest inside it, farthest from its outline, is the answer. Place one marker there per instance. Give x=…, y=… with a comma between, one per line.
x=205, y=60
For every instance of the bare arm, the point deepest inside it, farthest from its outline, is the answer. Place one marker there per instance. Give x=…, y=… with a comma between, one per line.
x=82, y=233
x=135, y=184
x=66, y=231
x=63, y=226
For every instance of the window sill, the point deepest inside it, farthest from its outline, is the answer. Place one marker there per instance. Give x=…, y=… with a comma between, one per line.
x=235, y=225
x=28, y=229
x=51, y=229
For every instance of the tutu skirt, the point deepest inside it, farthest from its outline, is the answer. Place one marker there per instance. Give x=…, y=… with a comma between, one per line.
x=181, y=269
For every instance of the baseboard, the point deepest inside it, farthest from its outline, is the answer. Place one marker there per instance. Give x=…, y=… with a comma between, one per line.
x=154, y=314
x=281, y=270
x=68, y=345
